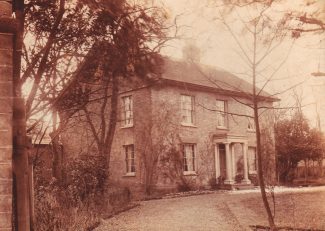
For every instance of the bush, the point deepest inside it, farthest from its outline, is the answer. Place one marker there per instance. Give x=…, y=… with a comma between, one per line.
x=75, y=204
x=85, y=178
x=239, y=178
x=253, y=178
x=213, y=183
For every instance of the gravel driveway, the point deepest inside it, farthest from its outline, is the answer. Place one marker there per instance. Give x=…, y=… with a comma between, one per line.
x=219, y=211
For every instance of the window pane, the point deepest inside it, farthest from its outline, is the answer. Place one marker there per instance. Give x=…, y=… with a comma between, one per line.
x=127, y=113
x=129, y=158
x=187, y=109
x=189, y=157
x=221, y=116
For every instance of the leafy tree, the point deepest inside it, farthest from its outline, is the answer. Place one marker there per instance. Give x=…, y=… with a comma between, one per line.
x=291, y=139
x=72, y=45
x=125, y=52
x=295, y=142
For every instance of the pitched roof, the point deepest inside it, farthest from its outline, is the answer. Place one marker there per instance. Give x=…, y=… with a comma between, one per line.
x=206, y=76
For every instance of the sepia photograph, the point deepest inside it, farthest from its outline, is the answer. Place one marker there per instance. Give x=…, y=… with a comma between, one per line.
x=162, y=115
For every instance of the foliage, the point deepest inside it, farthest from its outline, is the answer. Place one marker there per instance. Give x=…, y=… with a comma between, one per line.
x=239, y=178
x=73, y=204
x=101, y=38
x=85, y=178
x=294, y=142
x=299, y=18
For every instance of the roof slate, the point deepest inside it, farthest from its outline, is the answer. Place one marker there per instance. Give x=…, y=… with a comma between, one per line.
x=206, y=76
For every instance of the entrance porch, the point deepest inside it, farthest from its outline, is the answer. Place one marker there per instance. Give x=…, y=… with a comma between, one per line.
x=229, y=163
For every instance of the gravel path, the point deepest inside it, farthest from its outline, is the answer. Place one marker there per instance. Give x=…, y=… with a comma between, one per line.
x=219, y=211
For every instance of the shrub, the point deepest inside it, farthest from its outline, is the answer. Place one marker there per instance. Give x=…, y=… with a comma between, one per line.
x=85, y=178
x=76, y=203
x=239, y=178
x=213, y=183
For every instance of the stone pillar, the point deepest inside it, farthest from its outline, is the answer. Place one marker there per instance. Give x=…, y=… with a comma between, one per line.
x=228, y=165
x=6, y=116
x=217, y=162
x=245, y=180
x=233, y=161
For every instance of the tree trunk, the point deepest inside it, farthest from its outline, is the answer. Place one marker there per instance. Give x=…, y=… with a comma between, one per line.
x=260, y=170
x=258, y=142
x=56, y=151
x=112, y=121
x=306, y=171
x=320, y=168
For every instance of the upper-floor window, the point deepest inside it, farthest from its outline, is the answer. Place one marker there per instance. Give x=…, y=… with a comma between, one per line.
x=251, y=124
x=187, y=109
x=129, y=159
x=189, y=158
x=127, y=111
x=250, y=119
x=221, y=113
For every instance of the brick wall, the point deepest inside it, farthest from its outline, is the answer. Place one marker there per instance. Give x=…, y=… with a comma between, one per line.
x=6, y=88
x=147, y=102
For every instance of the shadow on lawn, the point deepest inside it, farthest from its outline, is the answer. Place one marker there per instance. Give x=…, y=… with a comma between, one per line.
x=264, y=228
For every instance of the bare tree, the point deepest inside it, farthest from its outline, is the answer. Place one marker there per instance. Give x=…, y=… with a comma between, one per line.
x=261, y=36
x=157, y=136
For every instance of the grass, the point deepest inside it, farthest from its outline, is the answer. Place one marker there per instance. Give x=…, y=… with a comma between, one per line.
x=305, y=211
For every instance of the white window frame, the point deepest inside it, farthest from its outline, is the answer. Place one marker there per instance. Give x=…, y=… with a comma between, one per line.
x=189, y=158
x=127, y=111
x=251, y=124
x=187, y=110
x=250, y=120
x=129, y=159
x=221, y=107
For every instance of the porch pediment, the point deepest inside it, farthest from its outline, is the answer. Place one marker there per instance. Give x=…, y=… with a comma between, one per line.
x=229, y=138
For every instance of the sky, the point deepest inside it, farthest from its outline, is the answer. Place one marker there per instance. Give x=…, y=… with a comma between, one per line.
x=197, y=25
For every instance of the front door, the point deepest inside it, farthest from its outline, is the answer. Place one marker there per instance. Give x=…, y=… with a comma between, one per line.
x=222, y=160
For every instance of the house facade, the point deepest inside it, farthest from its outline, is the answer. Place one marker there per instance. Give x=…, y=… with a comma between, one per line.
x=203, y=115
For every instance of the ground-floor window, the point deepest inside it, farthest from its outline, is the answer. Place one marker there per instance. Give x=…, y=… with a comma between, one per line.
x=129, y=158
x=188, y=158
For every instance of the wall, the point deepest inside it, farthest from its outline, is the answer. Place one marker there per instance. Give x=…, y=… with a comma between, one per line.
x=147, y=103
x=205, y=125
x=77, y=139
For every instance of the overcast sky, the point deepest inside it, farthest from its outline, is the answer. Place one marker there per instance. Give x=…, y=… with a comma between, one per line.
x=219, y=49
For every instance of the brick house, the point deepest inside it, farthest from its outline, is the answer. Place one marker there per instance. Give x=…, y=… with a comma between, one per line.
x=204, y=108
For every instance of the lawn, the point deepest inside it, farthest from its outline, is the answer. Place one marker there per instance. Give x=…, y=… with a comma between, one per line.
x=292, y=209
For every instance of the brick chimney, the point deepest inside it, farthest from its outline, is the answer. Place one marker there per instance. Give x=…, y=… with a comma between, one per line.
x=191, y=52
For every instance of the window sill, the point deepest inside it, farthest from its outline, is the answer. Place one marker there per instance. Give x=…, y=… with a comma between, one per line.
x=129, y=174
x=127, y=126
x=252, y=172
x=251, y=130
x=188, y=125
x=222, y=128
x=189, y=173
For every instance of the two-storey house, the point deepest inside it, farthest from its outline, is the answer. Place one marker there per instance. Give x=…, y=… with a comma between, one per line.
x=203, y=111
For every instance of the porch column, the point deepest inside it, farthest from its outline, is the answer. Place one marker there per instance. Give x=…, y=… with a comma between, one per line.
x=217, y=161
x=245, y=180
x=233, y=161
x=228, y=165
